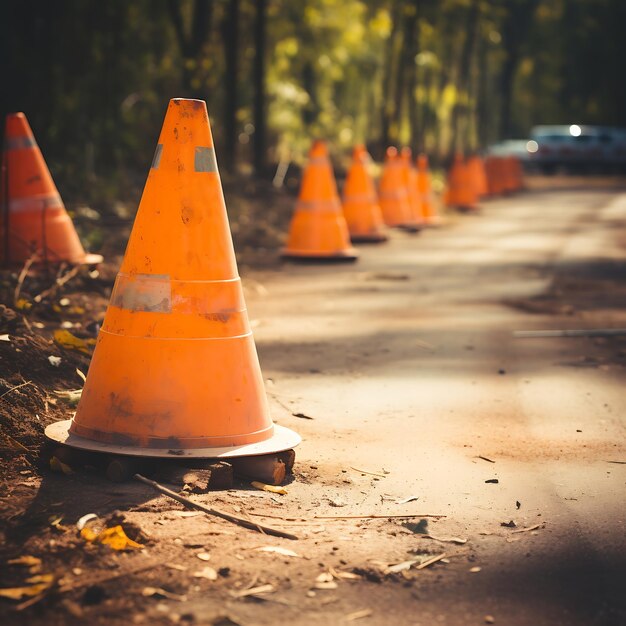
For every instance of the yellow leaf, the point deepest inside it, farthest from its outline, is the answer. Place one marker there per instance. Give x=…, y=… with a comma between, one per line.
x=59, y=466
x=88, y=535
x=67, y=340
x=29, y=561
x=114, y=537
x=23, y=305
x=55, y=522
x=40, y=584
x=263, y=487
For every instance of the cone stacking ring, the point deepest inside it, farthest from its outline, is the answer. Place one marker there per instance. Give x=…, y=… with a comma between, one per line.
x=175, y=370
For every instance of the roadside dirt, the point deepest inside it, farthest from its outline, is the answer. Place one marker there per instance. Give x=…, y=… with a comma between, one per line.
x=402, y=375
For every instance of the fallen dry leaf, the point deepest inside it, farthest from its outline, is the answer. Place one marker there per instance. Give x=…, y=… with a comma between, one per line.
x=58, y=466
x=406, y=500
x=457, y=540
x=343, y=575
x=67, y=340
x=206, y=572
x=324, y=577
x=31, y=562
x=179, y=568
x=526, y=530
x=114, y=537
x=337, y=502
x=271, y=488
x=351, y=617
x=253, y=591
x=203, y=556
x=278, y=550
x=38, y=584
x=331, y=584
x=162, y=593
x=401, y=567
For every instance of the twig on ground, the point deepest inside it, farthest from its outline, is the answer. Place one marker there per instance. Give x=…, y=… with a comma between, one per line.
x=484, y=458
x=227, y=516
x=28, y=382
x=356, y=469
x=22, y=277
x=59, y=282
x=432, y=560
x=377, y=516
x=526, y=530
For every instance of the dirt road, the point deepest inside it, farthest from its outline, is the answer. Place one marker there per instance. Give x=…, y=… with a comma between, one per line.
x=416, y=388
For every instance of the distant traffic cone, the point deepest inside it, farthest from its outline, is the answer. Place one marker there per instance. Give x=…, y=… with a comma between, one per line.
x=410, y=180
x=360, y=204
x=513, y=174
x=175, y=371
x=35, y=223
x=393, y=193
x=478, y=177
x=491, y=171
x=518, y=172
x=318, y=229
x=461, y=192
x=425, y=192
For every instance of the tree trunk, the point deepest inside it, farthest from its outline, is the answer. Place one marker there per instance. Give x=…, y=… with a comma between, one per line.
x=231, y=53
x=411, y=46
x=459, y=112
x=514, y=32
x=191, y=44
x=387, y=108
x=259, y=143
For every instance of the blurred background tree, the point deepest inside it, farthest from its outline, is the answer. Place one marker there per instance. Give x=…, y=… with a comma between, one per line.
x=94, y=77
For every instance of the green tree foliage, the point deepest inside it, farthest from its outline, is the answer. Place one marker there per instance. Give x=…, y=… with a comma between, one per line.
x=94, y=77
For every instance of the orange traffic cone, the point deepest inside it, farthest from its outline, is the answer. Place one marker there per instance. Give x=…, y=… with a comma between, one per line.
x=513, y=174
x=496, y=174
x=175, y=371
x=476, y=172
x=410, y=180
x=491, y=167
x=518, y=172
x=360, y=204
x=318, y=229
x=461, y=192
x=425, y=192
x=35, y=222
x=393, y=193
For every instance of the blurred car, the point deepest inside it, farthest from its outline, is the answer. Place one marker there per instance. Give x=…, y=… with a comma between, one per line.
x=511, y=147
x=577, y=148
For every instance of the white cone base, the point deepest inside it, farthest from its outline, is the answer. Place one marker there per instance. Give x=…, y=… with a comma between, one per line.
x=282, y=439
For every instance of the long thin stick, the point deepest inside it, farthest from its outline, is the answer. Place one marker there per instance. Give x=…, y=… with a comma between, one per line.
x=200, y=507
x=28, y=382
x=375, y=516
x=22, y=277
x=589, y=332
x=59, y=282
